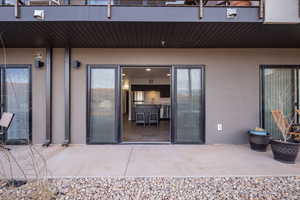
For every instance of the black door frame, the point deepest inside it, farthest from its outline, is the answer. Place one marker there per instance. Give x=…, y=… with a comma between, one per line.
x=3, y=106
x=120, y=99
x=118, y=90
x=117, y=103
x=262, y=87
x=174, y=106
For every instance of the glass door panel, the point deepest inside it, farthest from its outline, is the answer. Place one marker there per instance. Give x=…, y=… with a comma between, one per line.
x=102, y=105
x=16, y=95
x=279, y=93
x=189, y=105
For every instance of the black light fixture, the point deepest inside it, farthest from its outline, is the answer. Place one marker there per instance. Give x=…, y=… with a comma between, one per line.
x=38, y=63
x=76, y=64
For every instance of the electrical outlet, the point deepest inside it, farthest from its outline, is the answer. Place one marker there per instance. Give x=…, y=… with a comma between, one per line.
x=220, y=127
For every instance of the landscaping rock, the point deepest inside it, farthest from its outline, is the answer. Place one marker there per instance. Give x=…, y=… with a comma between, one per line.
x=166, y=188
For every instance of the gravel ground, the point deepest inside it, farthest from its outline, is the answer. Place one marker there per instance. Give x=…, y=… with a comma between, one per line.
x=164, y=188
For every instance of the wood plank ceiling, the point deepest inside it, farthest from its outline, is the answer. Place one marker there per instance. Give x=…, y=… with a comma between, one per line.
x=149, y=35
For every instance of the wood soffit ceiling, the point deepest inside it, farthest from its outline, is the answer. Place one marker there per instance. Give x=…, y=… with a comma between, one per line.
x=149, y=35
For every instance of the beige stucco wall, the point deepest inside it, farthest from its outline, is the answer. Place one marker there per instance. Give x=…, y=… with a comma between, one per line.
x=282, y=12
x=58, y=101
x=232, y=85
x=26, y=56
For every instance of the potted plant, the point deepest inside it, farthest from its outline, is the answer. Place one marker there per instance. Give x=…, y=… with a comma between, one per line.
x=285, y=149
x=259, y=139
x=240, y=3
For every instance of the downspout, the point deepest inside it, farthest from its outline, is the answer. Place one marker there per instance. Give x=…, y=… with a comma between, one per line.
x=48, y=140
x=67, y=88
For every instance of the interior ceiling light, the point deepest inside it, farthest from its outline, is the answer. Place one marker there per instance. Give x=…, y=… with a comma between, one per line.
x=168, y=74
x=148, y=69
x=123, y=74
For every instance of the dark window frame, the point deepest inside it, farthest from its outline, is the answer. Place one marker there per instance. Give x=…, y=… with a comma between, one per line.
x=119, y=117
x=262, y=88
x=88, y=100
x=174, y=106
x=3, y=93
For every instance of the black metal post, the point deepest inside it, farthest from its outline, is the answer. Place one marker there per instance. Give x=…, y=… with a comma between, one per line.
x=108, y=9
x=261, y=9
x=67, y=80
x=200, y=9
x=17, y=9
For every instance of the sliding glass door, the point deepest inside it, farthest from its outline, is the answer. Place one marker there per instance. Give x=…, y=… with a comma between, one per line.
x=280, y=91
x=102, y=104
x=188, y=104
x=16, y=98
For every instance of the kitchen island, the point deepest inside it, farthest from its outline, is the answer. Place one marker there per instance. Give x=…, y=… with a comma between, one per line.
x=162, y=110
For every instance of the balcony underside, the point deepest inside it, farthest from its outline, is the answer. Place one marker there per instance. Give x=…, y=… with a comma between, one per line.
x=149, y=35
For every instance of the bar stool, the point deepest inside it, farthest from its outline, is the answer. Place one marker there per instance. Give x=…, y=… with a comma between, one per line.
x=153, y=118
x=140, y=118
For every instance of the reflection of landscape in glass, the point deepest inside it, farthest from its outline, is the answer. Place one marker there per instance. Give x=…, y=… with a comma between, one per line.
x=102, y=105
x=17, y=101
x=99, y=2
x=278, y=95
x=188, y=105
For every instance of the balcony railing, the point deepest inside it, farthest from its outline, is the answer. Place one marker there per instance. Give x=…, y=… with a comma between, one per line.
x=201, y=4
x=150, y=3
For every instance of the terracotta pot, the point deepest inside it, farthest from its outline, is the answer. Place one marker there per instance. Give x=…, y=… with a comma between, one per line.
x=240, y=3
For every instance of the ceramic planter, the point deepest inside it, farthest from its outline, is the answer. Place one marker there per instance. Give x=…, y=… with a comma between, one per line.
x=259, y=142
x=286, y=152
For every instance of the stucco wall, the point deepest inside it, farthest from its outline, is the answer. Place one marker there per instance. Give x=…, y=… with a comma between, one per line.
x=282, y=12
x=58, y=101
x=26, y=56
x=232, y=85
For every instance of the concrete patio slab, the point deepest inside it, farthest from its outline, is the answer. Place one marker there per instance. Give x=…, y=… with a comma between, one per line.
x=90, y=161
x=162, y=160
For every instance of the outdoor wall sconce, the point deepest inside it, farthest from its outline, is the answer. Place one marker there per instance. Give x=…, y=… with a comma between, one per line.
x=231, y=13
x=39, y=14
x=38, y=63
x=76, y=64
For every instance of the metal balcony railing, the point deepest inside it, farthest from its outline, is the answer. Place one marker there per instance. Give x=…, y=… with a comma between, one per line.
x=150, y=3
x=201, y=4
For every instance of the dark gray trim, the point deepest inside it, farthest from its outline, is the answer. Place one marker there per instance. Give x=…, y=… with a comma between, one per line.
x=132, y=14
x=3, y=100
x=48, y=97
x=121, y=126
x=174, y=102
x=117, y=101
x=173, y=105
x=119, y=115
x=121, y=118
x=262, y=88
x=67, y=89
x=88, y=105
